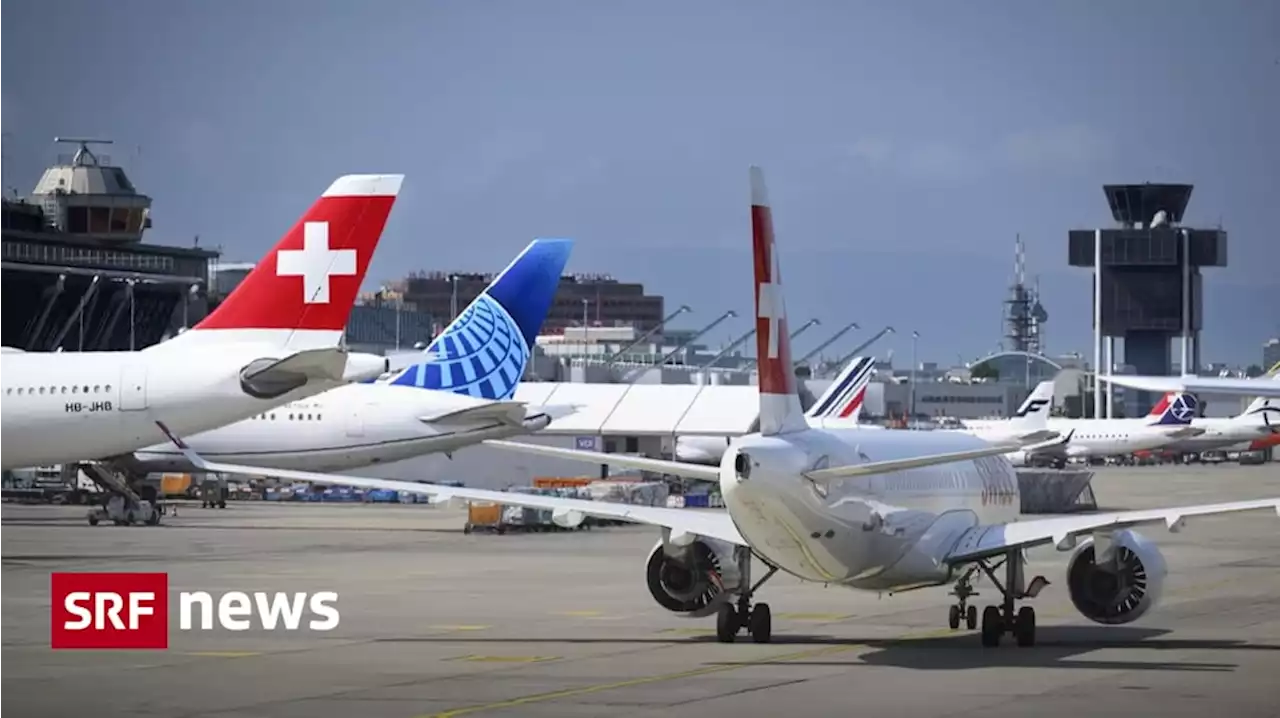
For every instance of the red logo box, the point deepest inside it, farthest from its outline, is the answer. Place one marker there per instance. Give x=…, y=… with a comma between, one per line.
x=110, y=610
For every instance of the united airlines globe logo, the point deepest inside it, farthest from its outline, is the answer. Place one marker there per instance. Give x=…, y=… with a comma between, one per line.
x=482, y=354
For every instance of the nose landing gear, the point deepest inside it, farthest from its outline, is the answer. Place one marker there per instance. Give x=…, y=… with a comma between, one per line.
x=961, y=610
x=758, y=620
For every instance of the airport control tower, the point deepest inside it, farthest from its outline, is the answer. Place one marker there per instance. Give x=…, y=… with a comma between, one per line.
x=1147, y=281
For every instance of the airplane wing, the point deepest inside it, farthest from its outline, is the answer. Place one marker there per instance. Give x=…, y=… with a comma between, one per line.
x=567, y=512
x=1199, y=385
x=986, y=541
x=711, y=473
x=641, y=463
x=883, y=467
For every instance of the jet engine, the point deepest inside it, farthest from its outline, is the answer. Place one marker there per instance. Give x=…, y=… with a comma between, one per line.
x=694, y=579
x=1122, y=591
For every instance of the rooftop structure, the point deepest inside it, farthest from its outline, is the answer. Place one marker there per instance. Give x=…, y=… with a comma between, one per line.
x=77, y=274
x=1147, y=282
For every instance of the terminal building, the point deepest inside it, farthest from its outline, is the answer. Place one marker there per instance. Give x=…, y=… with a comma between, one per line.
x=77, y=273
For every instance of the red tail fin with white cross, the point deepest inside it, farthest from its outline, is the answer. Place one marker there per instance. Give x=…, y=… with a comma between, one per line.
x=300, y=295
x=780, y=410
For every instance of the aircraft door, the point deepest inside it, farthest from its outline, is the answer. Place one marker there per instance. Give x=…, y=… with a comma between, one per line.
x=133, y=387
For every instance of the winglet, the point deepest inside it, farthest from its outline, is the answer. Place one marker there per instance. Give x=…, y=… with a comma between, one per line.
x=780, y=410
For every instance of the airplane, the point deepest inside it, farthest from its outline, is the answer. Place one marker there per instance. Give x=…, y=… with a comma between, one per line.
x=1032, y=415
x=840, y=404
x=1259, y=422
x=1259, y=386
x=275, y=339
x=459, y=393
x=869, y=510
x=1169, y=421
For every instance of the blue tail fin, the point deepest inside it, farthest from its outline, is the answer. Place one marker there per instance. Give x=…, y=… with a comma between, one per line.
x=484, y=352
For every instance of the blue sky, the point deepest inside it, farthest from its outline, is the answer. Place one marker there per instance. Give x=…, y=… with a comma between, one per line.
x=905, y=143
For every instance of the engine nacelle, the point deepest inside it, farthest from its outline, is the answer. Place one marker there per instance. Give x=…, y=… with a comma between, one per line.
x=695, y=579
x=1123, y=592
x=361, y=367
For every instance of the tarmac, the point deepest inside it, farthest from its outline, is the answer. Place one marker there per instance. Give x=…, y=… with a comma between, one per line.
x=435, y=623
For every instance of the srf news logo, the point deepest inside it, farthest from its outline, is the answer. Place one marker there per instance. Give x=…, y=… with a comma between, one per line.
x=131, y=610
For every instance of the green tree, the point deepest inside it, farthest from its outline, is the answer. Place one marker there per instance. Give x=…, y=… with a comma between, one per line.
x=985, y=371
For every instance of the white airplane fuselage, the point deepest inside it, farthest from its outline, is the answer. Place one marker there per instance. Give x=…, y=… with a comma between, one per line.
x=1221, y=433
x=349, y=427
x=1093, y=437
x=876, y=532
x=73, y=406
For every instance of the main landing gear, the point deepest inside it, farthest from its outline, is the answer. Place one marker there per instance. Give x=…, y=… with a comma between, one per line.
x=1002, y=619
x=757, y=620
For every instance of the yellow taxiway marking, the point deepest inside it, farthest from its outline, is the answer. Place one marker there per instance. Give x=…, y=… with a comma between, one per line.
x=462, y=627
x=580, y=614
x=705, y=670
x=224, y=654
x=506, y=659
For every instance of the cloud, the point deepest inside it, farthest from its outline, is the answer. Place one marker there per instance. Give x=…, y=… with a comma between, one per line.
x=1049, y=149
x=1053, y=147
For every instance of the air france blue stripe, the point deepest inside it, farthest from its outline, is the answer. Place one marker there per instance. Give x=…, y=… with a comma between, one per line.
x=845, y=387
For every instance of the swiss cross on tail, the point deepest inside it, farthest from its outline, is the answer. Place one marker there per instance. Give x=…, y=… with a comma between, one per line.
x=315, y=263
x=780, y=409
x=309, y=281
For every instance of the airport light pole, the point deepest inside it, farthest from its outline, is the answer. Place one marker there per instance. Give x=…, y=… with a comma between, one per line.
x=453, y=299
x=811, y=323
x=842, y=361
x=654, y=330
x=915, y=341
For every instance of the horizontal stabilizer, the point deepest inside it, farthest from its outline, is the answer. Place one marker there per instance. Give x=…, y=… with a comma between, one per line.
x=557, y=411
x=663, y=466
x=1185, y=432
x=1036, y=437
x=884, y=467
x=328, y=364
x=506, y=412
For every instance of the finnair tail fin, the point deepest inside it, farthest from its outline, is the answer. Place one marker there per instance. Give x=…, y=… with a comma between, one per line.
x=300, y=295
x=843, y=399
x=484, y=351
x=780, y=410
x=1035, y=409
x=1173, y=409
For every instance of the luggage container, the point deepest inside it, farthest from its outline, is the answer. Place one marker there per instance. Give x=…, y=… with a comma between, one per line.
x=484, y=516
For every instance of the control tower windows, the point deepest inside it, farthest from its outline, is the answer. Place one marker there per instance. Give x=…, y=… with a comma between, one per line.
x=99, y=220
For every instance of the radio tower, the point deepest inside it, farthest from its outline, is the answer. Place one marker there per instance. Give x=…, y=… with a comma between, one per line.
x=1023, y=315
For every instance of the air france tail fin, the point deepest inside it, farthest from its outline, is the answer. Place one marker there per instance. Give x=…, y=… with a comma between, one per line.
x=484, y=351
x=843, y=399
x=300, y=295
x=1173, y=409
x=780, y=410
x=1035, y=409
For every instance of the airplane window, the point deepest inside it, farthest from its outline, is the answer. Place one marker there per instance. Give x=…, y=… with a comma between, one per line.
x=291, y=417
x=107, y=387
x=8, y=391
x=86, y=389
x=19, y=391
x=97, y=388
x=317, y=417
x=308, y=417
x=41, y=390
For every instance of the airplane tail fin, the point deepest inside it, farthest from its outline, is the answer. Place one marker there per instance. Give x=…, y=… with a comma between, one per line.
x=780, y=410
x=1262, y=406
x=1173, y=409
x=484, y=351
x=844, y=398
x=1035, y=409
x=300, y=295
